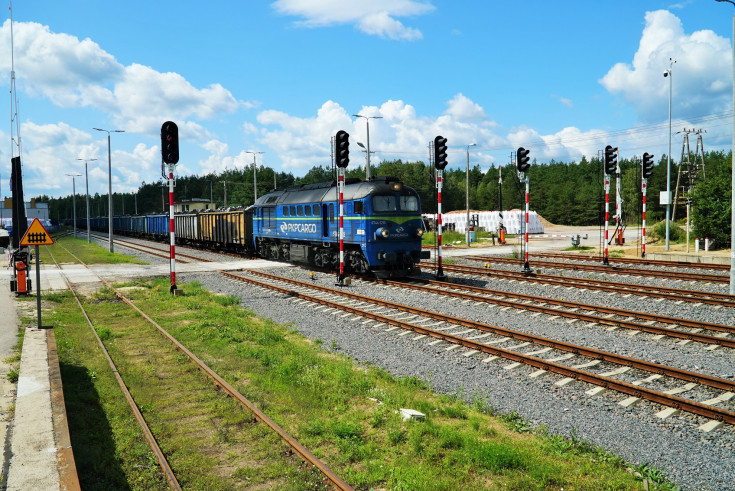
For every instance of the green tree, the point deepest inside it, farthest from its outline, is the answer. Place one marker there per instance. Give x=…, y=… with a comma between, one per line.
x=711, y=206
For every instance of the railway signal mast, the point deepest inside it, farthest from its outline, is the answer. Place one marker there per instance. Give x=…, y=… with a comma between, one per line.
x=170, y=157
x=342, y=158
x=611, y=164
x=523, y=164
x=440, y=162
x=647, y=166
x=619, y=226
x=501, y=227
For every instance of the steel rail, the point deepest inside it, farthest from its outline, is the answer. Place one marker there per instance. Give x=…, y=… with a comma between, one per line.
x=635, y=260
x=160, y=457
x=565, y=303
x=656, y=368
x=188, y=246
x=714, y=278
x=295, y=445
x=710, y=298
x=694, y=407
x=153, y=251
x=305, y=454
x=164, y=252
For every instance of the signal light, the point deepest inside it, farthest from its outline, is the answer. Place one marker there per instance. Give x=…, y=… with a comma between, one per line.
x=342, y=149
x=170, y=142
x=647, y=165
x=522, y=160
x=611, y=159
x=440, y=152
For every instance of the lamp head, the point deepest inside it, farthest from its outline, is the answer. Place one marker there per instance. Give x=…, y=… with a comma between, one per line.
x=666, y=73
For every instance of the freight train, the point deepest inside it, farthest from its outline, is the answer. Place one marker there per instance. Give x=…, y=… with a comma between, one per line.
x=381, y=221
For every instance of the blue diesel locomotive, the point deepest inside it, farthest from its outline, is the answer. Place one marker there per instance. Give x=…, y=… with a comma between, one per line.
x=382, y=226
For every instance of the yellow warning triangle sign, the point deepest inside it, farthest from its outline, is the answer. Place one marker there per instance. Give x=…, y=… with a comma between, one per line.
x=36, y=235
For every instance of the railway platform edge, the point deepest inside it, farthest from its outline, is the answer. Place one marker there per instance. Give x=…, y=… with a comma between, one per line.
x=37, y=453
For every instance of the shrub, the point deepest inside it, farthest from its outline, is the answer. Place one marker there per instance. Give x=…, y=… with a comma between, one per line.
x=676, y=234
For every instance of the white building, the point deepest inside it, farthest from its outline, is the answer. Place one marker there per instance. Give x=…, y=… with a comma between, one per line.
x=513, y=221
x=33, y=210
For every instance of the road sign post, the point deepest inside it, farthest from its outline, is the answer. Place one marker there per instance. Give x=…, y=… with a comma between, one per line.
x=36, y=235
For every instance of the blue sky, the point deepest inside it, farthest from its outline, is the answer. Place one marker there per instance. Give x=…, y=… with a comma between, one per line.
x=561, y=78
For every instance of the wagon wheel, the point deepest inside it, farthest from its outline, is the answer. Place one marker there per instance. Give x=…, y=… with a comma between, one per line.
x=358, y=264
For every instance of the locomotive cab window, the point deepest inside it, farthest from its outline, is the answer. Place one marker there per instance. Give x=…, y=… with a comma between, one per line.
x=384, y=203
x=331, y=212
x=269, y=216
x=359, y=210
x=409, y=203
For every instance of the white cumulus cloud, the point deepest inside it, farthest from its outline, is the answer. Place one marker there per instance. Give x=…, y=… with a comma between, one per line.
x=79, y=73
x=701, y=75
x=462, y=108
x=374, y=17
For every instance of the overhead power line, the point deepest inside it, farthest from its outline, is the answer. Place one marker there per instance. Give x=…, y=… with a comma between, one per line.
x=643, y=136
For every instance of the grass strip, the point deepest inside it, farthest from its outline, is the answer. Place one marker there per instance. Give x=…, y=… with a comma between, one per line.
x=87, y=253
x=348, y=415
x=210, y=441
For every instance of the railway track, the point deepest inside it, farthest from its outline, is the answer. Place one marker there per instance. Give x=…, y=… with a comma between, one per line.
x=216, y=380
x=437, y=326
x=676, y=294
x=154, y=251
x=620, y=270
x=582, y=312
x=147, y=433
x=634, y=260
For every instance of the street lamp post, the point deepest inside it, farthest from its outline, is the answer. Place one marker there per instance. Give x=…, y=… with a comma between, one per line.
x=732, y=184
x=109, y=183
x=668, y=73
x=367, y=122
x=74, y=200
x=467, y=195
x=364, y=149
x=255, y=172
x=86, y=181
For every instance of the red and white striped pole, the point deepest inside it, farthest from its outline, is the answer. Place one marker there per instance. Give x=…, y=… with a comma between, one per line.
x=526, y=265
x=607, y=216
x=171, y=225
x=644, y=187
x=342, y=159
x=439, y=271
x=340, y=189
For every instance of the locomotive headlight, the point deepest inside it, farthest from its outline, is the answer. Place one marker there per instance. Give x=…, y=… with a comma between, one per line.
x=397, y=186
x=419, y=232
x=382, y=232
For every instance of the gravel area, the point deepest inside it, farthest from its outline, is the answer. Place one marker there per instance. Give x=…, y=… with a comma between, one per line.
x=686, y=455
